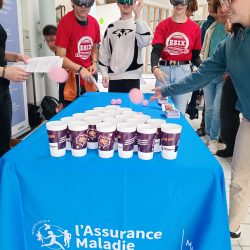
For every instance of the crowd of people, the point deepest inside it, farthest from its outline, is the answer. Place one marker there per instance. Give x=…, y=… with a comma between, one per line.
x=219, y=49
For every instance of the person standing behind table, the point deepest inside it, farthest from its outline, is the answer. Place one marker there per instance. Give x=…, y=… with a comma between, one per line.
x=7, y=74
x=212, y=92
x=120, y=51
x=49, y=33
x=77, y=41
x=210, y=19
x=233, y=56
x=177, y=41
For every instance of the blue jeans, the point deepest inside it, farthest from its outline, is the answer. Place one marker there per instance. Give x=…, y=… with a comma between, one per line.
x=212, y=95
x=175, y=74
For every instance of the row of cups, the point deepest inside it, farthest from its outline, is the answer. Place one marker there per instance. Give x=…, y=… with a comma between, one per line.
x=127, y=132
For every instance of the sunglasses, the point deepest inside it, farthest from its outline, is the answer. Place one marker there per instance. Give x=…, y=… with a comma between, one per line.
x=85, y=3
x=177, y=2
x=128, y=2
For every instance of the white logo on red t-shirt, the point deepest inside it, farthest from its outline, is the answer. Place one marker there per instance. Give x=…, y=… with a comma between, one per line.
x=84, y=47
x=177, y=44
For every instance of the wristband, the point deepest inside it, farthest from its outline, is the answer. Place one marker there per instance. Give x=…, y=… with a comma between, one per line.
x=3, y=73
x=94, y=61
x=79, y=70
x=153, y=68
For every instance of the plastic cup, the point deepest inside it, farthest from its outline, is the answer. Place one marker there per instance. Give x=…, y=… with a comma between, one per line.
x=92, y=133
x=57, y=132
x=68, y=119
x=126, y=139
x=92, y=112
x=79, y=137
x=170, y=138
x=104, y=115
x=124, y=109
x=157, y=123
x=111, y=112
x=112, y=107
x=106, y=139
x=145, y=139
x=99, y=109
x=79, y=116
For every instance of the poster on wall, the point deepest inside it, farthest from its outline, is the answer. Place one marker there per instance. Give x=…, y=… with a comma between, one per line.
x=10, y=20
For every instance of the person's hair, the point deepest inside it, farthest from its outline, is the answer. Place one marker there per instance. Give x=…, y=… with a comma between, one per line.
x=49, y=30
x=192, y=7
x=236, y=27
x=216, y=5
x=1, y=4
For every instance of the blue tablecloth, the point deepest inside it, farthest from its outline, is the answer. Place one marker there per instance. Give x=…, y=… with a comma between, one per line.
x=120, y=204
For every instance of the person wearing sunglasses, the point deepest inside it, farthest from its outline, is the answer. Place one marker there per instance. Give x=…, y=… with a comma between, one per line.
x=77, y=41
x=120, y=51
x=232, y=56
x=177, y=42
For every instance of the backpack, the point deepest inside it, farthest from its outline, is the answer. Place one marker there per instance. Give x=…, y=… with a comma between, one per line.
x=49, y=105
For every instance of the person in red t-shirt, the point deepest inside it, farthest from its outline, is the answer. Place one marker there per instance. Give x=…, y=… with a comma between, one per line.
x=77, y=41
x=177, y=41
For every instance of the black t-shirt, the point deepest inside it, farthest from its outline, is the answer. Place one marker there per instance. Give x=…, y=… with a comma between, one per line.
x=3, y=38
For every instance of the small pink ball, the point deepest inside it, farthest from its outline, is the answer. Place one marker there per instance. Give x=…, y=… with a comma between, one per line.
x=113, y=102
x=145, y=103
x=57, y=74
x=119, y=101
x=135, y=96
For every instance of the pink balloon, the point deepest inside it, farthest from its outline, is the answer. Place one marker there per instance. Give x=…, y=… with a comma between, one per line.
x=145, y=103
x=119, y=101
x=113, y=102
x=57, y=74
x=135, y=96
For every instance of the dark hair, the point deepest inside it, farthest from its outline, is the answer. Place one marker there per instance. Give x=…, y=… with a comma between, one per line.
x=49, y=30
x=236, y=27
x=216, y=5
x=1, y=4
x=192, y=7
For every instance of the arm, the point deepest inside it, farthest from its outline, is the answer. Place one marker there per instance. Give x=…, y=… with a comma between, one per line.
x=208, y=70
x=196, y=60
x=104, y=59
x=68, y=64
x=14, y=57
x=94, y=56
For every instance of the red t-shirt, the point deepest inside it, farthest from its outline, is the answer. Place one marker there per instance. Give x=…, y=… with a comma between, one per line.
x=77, y=39
x=178, y=39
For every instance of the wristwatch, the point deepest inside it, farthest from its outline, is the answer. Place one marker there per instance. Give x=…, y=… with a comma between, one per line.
x=79, y=70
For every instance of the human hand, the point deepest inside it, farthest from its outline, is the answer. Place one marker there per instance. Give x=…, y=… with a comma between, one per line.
x=157, y=94
x=23, y=58
x=105, y=81
x=137, y=7
x=86, y=75
x=16, y=74
x=160, y=75
x=93, y=69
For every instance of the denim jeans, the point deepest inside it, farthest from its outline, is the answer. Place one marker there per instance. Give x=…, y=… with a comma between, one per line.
x=212, y=95
x=175, y=74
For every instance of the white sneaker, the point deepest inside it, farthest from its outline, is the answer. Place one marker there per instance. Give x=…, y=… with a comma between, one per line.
x=213, y=146
x=205, y=139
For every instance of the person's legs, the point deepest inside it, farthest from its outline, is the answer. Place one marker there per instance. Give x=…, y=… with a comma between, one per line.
x=177, y=74
x=230, y=120
x=5, y=118
x=240, y=180
x=215, y=123
x=129, y=84
x=115, y=86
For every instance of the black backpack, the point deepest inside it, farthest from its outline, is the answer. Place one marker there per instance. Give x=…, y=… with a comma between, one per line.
x=49, y=105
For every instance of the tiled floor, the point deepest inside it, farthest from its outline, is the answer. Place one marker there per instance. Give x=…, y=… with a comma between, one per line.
x=244, y=243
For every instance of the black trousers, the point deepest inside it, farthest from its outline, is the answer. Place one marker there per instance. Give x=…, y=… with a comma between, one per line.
x=124, y=85
x=5, y=116
x=230, y=120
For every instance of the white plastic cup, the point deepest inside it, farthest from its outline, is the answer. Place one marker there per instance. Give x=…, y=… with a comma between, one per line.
x=104, y=115
x=106, y=138
x=113, y=107
x=68, y=119
x=126, y=139
x=111, y=112
x=145, y=139
x=129, y=113
x=157, y=123
x=79, y=116
x=92, y=132
x=124, y=109
x=144, y=118
x=99, y=109
x=170, y=138
x=92, y=112
x=57, y=133
x=79, y=137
